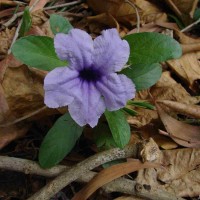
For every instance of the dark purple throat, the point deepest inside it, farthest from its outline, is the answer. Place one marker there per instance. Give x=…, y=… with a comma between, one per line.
x=90, y=75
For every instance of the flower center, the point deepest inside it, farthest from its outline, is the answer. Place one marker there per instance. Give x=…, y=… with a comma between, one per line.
x=90, y=75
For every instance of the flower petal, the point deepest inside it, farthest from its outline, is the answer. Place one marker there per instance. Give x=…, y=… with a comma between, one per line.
x=117, y=90
x=75, y=47
x=88, y=109
x=60, y=87
x=110, y=52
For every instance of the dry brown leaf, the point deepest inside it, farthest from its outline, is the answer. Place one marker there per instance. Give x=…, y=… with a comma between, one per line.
x=6, y=37
x=180, y=175
x=24, y=93
x=36, y=31
x=188, y=68
x=165, y=89
x=38, y=18
x=125, y=13
x=150, y=12
x=160, y=24
x=47, y=29
x=8, y=2
x=109, y=174
x=129, y=198
x=10, y=11
x=8, y=61
x=40, y=5
x=4, y=108
x=11, y=133
x=168, y=89
x=110, y=6
x=190, y=110
x=151, y=131
x=187, y=48
x=188, y=185
x=165, y=142
x=185, y=39
x=182, y=133
x=184, y=9
x=150, y=27
x=149, y=151
x=96, y=23
x=143, y=117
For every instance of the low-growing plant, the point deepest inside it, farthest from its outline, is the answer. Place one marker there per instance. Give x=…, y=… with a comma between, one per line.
x=93, y=78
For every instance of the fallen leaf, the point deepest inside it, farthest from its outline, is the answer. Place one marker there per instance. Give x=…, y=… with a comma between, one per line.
x=100, y=21
x=182, y=133
x=184, y=9
x=165, y=142
x=180, y=175
x=187, y=185
x=8, y=61
x=4, y=108
x=6, y=37
x=150, y=27
x=129, y=198
x=187, y=68
x=124, y=12
x=165, y=89
x=151, y=131
x=185, y=39
x=187, y=109
x=10, y=11
x=24, y=93
x=109, y=174
x=168, y=89
x=9, y=3
x=12, y=133
x=187, y=48
x=40, y=5
x=39, y=17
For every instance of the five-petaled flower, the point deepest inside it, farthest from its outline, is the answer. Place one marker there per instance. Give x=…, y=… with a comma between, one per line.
x=90, y=84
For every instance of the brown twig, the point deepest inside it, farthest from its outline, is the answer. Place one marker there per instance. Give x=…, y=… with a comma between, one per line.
x=12, y=19
x=63, y=5
x=122, y=185
x=19, y=26
x=137, y=14
x=174, y=8
x=81, y=168
x=19, y=14
x=187, y=28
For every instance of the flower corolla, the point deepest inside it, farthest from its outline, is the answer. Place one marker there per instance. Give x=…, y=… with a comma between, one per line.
x=89, y=84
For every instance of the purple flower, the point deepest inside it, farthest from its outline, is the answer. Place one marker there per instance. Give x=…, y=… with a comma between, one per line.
x=90, y=83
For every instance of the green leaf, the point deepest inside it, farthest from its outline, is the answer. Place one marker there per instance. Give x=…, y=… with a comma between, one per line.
x=59, y=24
x=26, y=22
x=196, y=14
x=59, y=141
x=177, y=20
x=119, y=127
x=130, y=111
x=149, y=48
x=143, y=76
x=38, y=52
x=141, y=104
x=103, y=137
